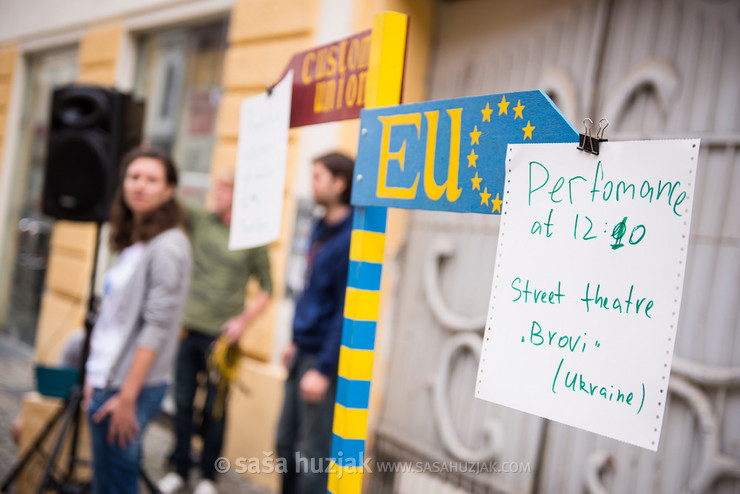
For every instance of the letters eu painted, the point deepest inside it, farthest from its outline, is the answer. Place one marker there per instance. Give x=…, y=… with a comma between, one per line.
x=448, y=155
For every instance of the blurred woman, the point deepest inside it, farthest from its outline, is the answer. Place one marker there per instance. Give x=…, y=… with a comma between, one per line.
x=136, y=335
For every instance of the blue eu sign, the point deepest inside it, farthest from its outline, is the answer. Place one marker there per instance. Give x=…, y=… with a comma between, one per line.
x=448, y=155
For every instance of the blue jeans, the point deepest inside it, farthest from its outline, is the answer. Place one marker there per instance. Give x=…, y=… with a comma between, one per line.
x=305, y=432
x=116, y=470
x=191, y=360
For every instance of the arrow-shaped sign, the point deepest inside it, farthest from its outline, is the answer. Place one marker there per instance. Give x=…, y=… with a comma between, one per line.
x=448, y=155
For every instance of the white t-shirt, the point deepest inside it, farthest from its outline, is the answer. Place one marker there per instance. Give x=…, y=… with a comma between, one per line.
x=107, y=338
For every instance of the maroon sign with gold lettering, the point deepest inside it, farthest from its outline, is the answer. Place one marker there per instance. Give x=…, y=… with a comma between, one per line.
x=329, y=81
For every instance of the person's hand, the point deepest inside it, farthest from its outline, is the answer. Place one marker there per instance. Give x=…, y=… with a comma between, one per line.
x=123, y=427
x=233, y=329
x=288, y=355
x=313, y=386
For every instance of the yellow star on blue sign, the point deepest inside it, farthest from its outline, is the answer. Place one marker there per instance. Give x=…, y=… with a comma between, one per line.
x=475, y=135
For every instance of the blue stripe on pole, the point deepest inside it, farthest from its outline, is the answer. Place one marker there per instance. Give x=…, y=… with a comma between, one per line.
x=364, y=275
x=370, y=219
x=347, y=452
x=353, y=393
x=359, y=335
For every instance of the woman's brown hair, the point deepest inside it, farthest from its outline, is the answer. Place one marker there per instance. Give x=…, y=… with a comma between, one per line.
x=168, y=215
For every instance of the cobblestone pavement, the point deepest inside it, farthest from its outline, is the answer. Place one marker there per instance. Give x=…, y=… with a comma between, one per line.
x=16, y=378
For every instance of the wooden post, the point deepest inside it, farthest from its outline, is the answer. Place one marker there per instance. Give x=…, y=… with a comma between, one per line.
x=384, y=85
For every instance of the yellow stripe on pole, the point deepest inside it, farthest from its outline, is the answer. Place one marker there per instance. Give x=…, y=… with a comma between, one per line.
x=361, y=305
x=344, y=479
x=387, y=55
x=367, y=246
x=350, y=423
x=356, y=364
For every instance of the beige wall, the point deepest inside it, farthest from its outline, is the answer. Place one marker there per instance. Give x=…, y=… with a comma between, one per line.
x=100, y=50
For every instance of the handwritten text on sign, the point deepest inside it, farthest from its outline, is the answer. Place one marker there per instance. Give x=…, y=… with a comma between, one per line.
x=587, y=284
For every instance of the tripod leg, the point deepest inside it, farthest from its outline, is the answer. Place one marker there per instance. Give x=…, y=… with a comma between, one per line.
x=76, y=423
x=33, y=448
x=70, y=414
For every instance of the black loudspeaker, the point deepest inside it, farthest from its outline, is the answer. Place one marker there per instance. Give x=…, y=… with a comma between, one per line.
x=91, y=128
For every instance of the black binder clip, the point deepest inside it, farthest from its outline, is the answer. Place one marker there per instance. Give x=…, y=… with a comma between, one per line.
x=589, y=143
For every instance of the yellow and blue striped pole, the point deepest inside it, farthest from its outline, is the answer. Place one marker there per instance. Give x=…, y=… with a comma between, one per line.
x=383, y=88
x=357, y=350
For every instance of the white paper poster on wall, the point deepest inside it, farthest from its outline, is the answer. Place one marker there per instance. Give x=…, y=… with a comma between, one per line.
x=587, y=284
x=259, y=182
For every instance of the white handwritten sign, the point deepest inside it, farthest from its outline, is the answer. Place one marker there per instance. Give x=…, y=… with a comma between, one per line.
x=260, y=169
x=587, y=284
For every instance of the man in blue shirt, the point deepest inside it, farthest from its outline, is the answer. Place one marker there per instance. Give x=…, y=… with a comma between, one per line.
x=305, y=429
